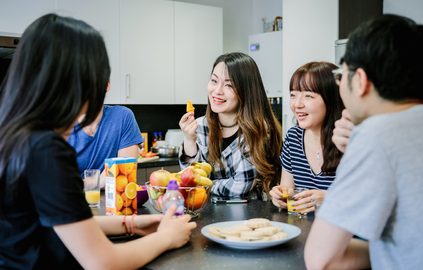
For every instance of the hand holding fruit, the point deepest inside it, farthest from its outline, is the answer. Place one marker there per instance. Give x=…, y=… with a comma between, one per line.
x=189, y=126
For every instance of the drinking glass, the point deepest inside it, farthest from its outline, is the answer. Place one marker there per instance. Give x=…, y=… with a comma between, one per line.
x=291, y=193
x=92, y=187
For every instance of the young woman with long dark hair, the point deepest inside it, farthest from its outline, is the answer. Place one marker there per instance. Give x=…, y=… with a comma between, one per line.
x=59, y=72
x=309, y=158
x=240, y=136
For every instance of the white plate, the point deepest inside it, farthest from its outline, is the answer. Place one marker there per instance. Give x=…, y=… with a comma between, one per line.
x=291, y=230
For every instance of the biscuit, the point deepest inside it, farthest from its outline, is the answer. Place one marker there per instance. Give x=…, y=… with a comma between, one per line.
x=267, y=231
x=255, y=223
x=225, y=232
x=279, y=236
x=214, y=231
x=234, y=238
x=252, y=235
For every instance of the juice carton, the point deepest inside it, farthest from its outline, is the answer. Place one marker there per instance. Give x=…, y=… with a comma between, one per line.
x=121, y=186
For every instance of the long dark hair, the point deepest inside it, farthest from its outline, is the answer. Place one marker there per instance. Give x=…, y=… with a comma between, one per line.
x=256, y=120
x=317, y=77
x=60, y=65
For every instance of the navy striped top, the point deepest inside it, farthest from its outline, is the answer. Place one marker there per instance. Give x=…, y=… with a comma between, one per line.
x=294, y=161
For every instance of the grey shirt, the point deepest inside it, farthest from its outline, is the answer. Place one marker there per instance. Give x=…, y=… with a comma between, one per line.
x=378, y=191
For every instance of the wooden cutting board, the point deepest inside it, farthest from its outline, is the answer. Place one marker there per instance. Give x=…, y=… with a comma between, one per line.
x=147, y=159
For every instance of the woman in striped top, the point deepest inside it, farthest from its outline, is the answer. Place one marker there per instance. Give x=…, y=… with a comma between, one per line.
x=309, y=158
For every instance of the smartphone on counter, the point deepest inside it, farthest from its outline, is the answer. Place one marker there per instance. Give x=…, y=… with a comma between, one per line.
x=228, y=201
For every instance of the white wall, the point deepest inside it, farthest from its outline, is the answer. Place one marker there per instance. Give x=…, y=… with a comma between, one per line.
x=309, y=33
x=409, y=8
x=242, y=18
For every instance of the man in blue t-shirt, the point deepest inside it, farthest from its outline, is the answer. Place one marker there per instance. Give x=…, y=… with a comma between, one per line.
x=114, y=133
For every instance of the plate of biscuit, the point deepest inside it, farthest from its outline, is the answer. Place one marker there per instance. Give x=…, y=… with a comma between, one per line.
x=256, y=233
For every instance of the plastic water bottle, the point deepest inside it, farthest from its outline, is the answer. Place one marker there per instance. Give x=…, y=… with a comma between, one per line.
x=173, y=196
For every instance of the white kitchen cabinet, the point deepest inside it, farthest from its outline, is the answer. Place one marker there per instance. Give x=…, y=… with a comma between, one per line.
x=103, y=15
x=147, y=51
x=198, y=42
x=266, y=50
x=17, y=15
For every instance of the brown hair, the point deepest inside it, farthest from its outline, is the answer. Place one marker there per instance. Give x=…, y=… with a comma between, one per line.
x=257, y=123
x=317, y=77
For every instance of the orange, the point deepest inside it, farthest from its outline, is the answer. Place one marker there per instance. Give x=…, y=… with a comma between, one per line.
x=112, y=171
x=121, y=182
x=119, y=202
x=127, y=168
x=196, y=198
x=132, y=177
x=131, y=190
x=135, y=205
x=126, y=202
x=127, y=211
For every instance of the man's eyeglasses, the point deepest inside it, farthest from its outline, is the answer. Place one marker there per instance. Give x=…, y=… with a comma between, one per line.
x=337, y=75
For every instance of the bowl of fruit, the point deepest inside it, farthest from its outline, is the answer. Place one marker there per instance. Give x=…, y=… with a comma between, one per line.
x=194, y=185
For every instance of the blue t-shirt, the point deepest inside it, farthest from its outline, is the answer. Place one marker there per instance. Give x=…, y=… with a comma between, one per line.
x=117, y=129
x=295, y=162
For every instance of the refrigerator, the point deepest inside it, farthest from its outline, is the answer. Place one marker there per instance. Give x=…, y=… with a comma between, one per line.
x=266, y=50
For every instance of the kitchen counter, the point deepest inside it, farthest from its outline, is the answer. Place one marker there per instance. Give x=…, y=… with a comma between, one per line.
x=161, y=162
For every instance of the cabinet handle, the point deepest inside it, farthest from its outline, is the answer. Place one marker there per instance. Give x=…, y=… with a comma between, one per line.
x=128, y=85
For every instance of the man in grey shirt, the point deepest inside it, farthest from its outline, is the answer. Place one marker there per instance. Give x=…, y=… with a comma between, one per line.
x=378, y=191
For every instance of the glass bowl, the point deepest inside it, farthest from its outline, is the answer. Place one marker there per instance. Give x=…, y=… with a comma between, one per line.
x=195, y=198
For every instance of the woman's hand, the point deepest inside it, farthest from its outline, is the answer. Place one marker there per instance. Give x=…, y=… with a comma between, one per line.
x=188, y=126
x=177, y=230
x=305, y=201
x=146, y=224
x=277, y=196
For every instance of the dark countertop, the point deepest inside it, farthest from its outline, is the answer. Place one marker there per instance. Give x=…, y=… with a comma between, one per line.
x=159, y=163
x=201, y=253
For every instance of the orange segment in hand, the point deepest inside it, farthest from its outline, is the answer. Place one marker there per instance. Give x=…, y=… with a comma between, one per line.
x=190, y=107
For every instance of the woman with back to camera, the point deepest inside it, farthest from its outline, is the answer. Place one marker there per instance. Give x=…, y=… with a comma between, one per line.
x=60, y=71
x=309, y=158
x=239, y=136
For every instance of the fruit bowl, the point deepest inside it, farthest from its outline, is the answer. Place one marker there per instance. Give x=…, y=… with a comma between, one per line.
x=195, y=198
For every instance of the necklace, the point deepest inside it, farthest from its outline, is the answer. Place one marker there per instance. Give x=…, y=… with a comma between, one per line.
x=230, y=126
x=318, y=155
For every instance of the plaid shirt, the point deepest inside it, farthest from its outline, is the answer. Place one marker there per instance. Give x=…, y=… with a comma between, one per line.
x=236, y=177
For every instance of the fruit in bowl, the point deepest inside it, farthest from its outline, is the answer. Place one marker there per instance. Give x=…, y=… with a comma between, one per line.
x=195, y=197
x=193, y=182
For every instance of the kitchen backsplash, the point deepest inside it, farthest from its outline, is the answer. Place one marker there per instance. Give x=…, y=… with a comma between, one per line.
x=153, y=118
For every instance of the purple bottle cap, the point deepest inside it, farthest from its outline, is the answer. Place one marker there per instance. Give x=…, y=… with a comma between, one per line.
x=173, y=185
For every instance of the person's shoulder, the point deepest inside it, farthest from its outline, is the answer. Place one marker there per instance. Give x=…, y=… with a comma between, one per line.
x=294, y=132
x=202, y=121
x=44, y=139
x=118, y=109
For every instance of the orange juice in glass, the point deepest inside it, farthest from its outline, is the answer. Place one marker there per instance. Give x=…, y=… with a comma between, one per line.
x=291, y=193
x=92, y=187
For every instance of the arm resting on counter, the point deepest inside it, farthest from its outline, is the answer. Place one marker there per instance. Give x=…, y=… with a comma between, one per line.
x=331, y=247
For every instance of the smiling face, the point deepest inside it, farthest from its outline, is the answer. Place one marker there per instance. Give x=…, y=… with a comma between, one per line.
x=308, y=107
x=222, y=96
